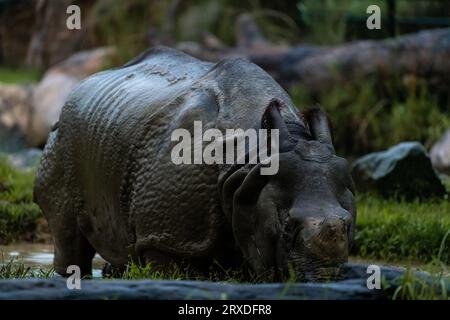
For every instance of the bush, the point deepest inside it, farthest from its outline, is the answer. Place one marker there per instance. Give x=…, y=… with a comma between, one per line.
x=375, y=115
x=18, y=213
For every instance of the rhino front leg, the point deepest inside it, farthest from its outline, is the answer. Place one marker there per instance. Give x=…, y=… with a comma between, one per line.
x=72, y=248
x=56, y=199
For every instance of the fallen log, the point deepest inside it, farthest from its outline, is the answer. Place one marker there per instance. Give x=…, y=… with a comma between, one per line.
x=425, y=54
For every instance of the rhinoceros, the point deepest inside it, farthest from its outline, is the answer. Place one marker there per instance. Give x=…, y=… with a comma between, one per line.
x=107, y=185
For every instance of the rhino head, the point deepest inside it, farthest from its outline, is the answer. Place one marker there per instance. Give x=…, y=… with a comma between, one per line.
x=301, y=219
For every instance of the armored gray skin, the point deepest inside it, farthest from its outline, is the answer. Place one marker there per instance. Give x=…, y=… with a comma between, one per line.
x=107, y=184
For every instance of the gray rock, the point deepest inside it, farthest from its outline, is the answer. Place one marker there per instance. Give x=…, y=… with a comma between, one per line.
x=353, y=286
x=440, y=153
x=403, y=170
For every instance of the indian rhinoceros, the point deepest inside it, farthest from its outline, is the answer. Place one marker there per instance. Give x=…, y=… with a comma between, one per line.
x=106, y=182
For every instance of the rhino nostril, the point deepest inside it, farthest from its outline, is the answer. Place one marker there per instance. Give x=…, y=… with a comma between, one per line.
x=333, y=227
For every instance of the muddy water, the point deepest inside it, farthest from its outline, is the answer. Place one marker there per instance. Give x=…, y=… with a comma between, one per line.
x=38, y=256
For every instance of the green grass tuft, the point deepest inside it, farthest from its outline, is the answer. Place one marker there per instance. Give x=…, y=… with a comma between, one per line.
x=415, y=286
x=136, y=270
x=14, y=269
x=393, y=230
x=18, y=213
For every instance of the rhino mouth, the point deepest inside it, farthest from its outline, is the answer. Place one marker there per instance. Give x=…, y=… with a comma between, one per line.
x=308, y=269
x=324, y=274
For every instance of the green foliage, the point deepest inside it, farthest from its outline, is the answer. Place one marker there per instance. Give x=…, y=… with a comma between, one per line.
x=220, y=17
x=408, y=8
x=330, y=22
x=18, y=213
x=21, y=75
x=131, y=26
x=394, y=230
x=418, y=117
x=325, y=20
x=433, y=286
x=446, y=181
x=137, y=270
x=14, y=269
x=123, y=24
x=370, y=117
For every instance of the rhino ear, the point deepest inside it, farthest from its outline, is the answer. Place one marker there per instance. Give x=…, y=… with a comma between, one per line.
x=272, y=119
x=319, y=125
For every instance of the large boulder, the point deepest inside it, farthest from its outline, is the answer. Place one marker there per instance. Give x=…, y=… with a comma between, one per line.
x=27, y=113
x=56, y=84
x=403, y=170
x=440, y=153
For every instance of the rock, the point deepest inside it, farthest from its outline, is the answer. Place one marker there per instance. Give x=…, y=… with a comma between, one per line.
x=440, y=153
x=26, y=159
x=353, y=286
x=27, y=113
x=15, y=115
x=48, y=100
x=56, y=84
x=403, y=170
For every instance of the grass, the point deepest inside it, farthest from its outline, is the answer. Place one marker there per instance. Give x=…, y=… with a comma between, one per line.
x=325, y=20
x=372, y=116
x=393, y=230
x=13, y=269
x=136, y=270
x=18, y=213
x=414, y=286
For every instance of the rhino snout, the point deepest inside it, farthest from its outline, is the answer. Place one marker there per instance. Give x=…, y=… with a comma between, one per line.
x=321, y=245
x=327, y=235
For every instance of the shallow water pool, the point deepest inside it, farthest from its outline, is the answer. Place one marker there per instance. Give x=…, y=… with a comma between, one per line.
x=39, y=256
